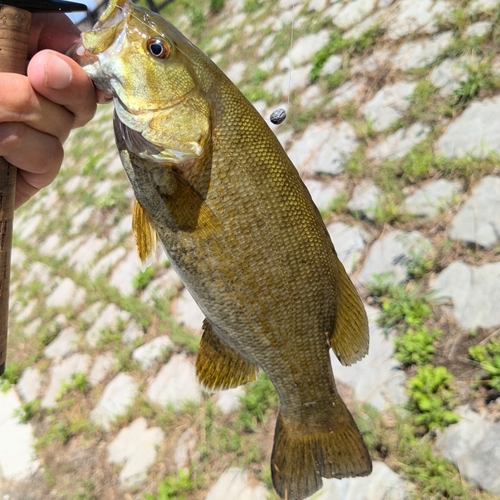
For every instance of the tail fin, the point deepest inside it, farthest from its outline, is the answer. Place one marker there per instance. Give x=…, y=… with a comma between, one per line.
x=301, y=459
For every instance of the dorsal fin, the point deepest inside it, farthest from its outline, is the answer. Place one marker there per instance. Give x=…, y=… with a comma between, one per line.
x=218, y=366
x=144, y=234
x=350, y=338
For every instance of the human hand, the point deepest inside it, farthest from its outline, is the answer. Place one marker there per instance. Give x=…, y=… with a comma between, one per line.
x=38, y=111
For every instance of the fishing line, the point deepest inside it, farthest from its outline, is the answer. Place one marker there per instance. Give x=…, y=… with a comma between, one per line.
x=279, y=115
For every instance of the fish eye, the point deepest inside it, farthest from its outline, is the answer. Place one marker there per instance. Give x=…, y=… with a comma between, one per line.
x=158, y=48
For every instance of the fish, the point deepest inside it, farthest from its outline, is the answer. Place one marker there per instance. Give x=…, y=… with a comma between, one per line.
x=215, y=187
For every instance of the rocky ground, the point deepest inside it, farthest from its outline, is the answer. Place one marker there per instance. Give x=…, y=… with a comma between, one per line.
x=393, y=123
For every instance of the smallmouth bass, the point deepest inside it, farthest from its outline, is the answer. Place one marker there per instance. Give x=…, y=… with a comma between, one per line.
x=215, y=186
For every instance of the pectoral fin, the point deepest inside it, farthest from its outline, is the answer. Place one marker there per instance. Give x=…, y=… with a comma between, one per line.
x=144, y=234
x=349, y=339
x=218, y=366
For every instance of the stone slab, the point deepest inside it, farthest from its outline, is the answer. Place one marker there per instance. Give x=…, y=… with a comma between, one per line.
x=116, y=398
x=474, y=291
x=18, y=458
x=175, y=384
x=148, y=353
x=135, y=447
x=429, y=200
x=478, y=220
x=234, y=483
x=349, y=243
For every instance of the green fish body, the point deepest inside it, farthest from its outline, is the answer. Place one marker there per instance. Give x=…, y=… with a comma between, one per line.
x=214, y=184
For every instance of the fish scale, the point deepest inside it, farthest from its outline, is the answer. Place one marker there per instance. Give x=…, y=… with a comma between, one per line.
x=239, y=226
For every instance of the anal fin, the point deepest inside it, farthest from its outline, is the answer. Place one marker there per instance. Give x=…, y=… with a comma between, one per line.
x=349, y=339
x=218, y=366
x=144, y=234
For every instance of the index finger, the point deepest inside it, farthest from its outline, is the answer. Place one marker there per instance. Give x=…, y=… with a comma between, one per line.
x=52, y=31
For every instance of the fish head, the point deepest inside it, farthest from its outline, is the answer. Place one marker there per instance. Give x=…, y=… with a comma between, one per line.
x=147, y=65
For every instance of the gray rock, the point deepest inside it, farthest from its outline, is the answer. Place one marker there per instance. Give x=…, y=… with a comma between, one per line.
x=474, y=291
x=311, y=96
x=123, y=275
x=349, y=243
x=148, y=353
x=66, y=293
x=80, y=219
x=39, y=273
x=365, y=199
x=317, y=5
x=102, y=366
x=235, y=71
x=187, y=312
x=448, y=75
x=476, y=131
x=365, y=25
x=332, y=65
x=92, y=313
x=473, y=446
x=185, y=451
x=304, y=48
x=480, y=28
x=418, y=54
x=116, y=398
x=388, y=256
x=388, y=104
x=482, y=5
x=85, y=255
x=164, y=286
x=135, y=447
x=353, y=12
x=324, y=194
x=106, y=263
x=229, y=401
x=478, y=221
x=18, y=458
x=382, y=484
x=234, y=483
x=373, y=62
x=123, y=228
x=324, y=148
x=70, y=247
x=108, y=319
x=61, y=373
x=50, y=245
x=432, y=198
x=400, y=143
x=413, y=17
x=28, y=227
x=30, y=384
x=350, y=91
x=63, y=345
x=377, y=378
x=175, y=384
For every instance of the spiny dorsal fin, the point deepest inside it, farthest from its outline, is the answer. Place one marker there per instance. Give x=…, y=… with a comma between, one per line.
x=218, y=366
x=349, y=339
x=144, y=234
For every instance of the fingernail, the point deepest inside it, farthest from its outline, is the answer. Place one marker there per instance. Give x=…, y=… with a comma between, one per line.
x=58, y=74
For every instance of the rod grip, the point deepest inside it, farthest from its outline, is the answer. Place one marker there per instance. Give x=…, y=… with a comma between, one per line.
x=14, y=36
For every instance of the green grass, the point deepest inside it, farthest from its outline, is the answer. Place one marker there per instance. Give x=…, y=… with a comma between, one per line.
x=488, y=356
x=174, y=487
x=416, y=345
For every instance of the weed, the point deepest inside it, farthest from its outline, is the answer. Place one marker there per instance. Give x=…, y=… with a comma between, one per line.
x=216, y=6
x=27, y=410
x=173, y=487
x=335, y=45
x=251, y=6
x=143, y=278
x=470, y=88
x=260, y=397
x=11, y=375
x=416, y=345
x=77, y=382
x=403, y=305
x=488, y=355
x=337, y=79
x=432, y=397
x=256, y=93
x=63, y=429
